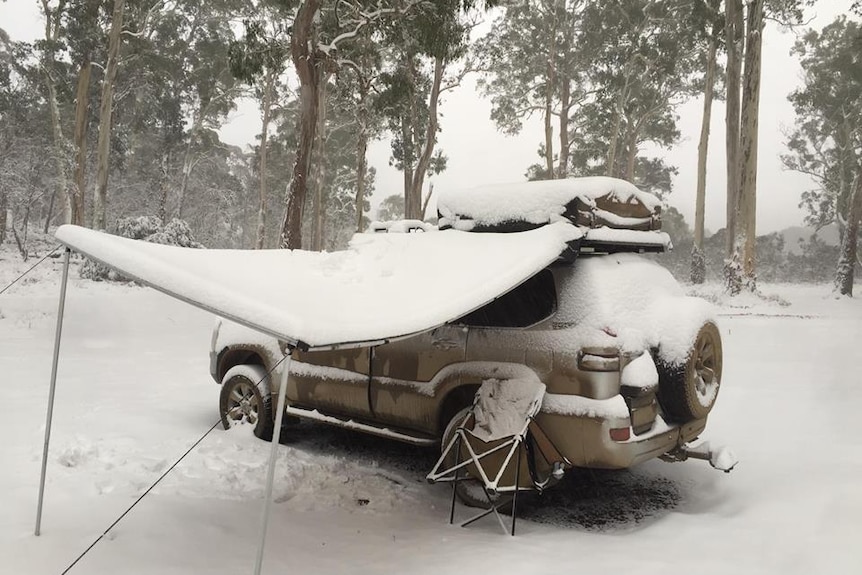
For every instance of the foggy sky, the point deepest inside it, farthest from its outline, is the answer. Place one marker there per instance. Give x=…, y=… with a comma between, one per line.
x=478, y=154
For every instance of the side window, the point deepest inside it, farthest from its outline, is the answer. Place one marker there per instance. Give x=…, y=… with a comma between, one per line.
x=526, y=305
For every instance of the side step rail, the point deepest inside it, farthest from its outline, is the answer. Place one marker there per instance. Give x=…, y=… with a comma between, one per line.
x=314, y=415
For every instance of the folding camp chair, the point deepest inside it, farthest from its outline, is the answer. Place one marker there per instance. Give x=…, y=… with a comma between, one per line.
x=500, y=445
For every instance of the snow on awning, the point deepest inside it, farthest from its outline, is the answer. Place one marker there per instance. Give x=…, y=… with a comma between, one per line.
x=384, y=286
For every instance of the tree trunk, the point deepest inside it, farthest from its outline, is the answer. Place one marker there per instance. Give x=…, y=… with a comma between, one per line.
x=22, y=242
x=414, y=211
x=734, y=39
x=631, y=160
x=61, y=188
x=698, y=271
x=164, y=186
x=549, y=131
x=100, y=198
x=747, y=214
x=188, y=161
x=361, y=151
x=406, y=159
x=615, y=131
x=319, y=170
x=4, y=207
x=409, y=130
x=550, y=86
x=48, y=216
x=82, y=105
x=60, y=147
x=565, y=104
x=268, y=87
x=846, y=270
x=303, y=46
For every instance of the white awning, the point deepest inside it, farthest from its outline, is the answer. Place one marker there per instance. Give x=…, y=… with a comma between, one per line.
x=383, y=287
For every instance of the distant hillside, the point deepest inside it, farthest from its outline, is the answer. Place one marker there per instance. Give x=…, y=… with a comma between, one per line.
x=793, y=235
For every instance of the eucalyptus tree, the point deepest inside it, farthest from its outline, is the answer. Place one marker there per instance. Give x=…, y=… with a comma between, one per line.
x=390, y=208
x=53, y=70
x=320, y=30
x=209, y=90
x=172, y=91
x=709, y=25
x=83, y=34
x=24, y=135
x=826, y=142
x=611, y=73
x=106, y=111
x=314, y=51
x=335, y=212
x=259, y=59
x=425, y=50
x=643, y=66
x=358, y=82
x=744, y=28
x=532, y=64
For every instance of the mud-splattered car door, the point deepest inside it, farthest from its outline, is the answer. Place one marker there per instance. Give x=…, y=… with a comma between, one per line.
x=333, y=381
x=409, y=375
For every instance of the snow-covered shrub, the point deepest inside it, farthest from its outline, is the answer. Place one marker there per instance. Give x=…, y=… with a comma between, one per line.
x=148, y=229
x=139, y=228
x=176, y=233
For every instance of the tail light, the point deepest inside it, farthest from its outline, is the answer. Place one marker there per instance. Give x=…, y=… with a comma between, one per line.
x=621, y=433
x=599, y=359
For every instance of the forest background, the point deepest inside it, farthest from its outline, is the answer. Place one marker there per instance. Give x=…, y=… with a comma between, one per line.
x=261, y=123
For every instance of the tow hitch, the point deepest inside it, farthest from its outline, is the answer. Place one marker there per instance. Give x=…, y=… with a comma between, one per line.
x=721, y=458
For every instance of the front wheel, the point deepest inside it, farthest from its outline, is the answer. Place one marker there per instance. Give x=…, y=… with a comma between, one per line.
x=245, y=399
x=687, y=391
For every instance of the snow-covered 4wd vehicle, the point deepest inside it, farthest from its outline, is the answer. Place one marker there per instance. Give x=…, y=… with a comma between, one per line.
x=631, y=365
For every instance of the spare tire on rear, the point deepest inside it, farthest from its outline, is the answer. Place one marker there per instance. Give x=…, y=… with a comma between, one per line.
x=687, y=391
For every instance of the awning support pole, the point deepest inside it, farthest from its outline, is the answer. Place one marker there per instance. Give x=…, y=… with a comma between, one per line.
x=270, y=473
x=53, y=387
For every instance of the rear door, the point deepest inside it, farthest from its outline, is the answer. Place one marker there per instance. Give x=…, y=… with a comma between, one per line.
x=406, y=374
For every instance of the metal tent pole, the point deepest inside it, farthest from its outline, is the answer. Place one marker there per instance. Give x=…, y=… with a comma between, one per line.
x=53, y=387
x=270, y=473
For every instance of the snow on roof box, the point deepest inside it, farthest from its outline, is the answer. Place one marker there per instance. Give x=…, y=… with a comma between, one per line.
x=592, y=202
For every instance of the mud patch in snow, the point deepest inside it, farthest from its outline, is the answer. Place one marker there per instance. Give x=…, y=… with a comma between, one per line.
x=597, y=499
x=232, y=466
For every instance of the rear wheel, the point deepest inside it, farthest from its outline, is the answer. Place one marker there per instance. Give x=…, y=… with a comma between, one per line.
x=245, y=399
x=687, y=391
x=469, y=491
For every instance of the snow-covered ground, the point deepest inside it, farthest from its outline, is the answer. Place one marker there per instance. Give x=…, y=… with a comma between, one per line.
x=134, y=393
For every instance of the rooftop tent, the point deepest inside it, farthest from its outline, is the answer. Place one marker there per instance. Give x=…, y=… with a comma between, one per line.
x=615, y=215
x=384, y=286
x=596, y=201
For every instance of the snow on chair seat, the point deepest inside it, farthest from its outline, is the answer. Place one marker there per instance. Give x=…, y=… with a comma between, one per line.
x=498, y=444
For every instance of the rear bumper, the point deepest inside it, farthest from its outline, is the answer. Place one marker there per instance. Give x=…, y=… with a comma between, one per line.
x=586, y=442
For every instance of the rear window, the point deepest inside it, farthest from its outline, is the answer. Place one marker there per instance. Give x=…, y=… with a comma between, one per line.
x=526, y=305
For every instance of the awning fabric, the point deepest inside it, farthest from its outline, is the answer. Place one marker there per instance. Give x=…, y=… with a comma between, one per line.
x=384, y=286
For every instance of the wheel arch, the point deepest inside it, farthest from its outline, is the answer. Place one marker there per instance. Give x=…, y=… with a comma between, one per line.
x=454, y=401
x=230, y=357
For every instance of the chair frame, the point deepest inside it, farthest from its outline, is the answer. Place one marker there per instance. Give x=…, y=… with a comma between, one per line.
x=530, y=431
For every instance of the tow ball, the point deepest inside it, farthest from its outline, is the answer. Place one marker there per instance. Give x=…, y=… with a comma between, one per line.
x=721, y=458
